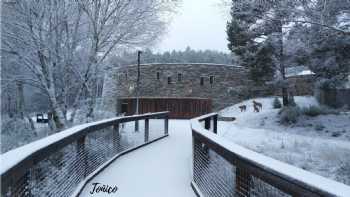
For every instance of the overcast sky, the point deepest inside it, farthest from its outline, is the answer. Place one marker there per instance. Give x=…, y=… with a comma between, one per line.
x=200, y=24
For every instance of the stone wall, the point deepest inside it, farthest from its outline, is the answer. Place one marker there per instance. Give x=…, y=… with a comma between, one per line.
x=228, y=83
x=300, y=85
x=338, y=98
x=229, y=86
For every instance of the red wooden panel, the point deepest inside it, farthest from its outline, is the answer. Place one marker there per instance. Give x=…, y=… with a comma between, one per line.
x=180, y=108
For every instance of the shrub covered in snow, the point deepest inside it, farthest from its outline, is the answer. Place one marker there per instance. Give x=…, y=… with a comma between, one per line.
x=319, y=127
x=276, y=103
x=314, y=111
x=289, y=115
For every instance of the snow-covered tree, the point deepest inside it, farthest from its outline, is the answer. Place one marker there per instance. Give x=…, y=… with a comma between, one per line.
x=39, y=35
x=258, y=27
x=309, y=33
x=113, y=24
x=64, y=44
x=328, y=40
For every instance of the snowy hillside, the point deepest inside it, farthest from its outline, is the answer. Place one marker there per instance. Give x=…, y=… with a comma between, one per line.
x=327, y=126
x=323, y=151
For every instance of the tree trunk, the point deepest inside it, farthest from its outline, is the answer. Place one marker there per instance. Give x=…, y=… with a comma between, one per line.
x=285, y=96
x=9, y=104
x=90, y=113
x=57, y=113
x=75, y=105
x=31, y=122
x=93, y=102
x=19, y=100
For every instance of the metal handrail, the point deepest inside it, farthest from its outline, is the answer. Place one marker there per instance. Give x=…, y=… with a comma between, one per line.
x=287, y=178
x=12, y=170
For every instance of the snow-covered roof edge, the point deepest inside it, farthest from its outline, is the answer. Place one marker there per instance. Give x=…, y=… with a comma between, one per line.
x=310, y=179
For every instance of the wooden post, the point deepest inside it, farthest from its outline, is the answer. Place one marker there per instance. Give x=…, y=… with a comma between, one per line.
x=215, y=124
x=243, y=180
x=207, y=123
x=82, y=156
x=146, y=129
x=116, y=137
x=166, y=125
x=207, y=127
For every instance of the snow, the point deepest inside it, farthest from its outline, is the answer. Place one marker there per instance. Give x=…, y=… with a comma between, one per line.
x=324, y=184
x=306, y=72
x=13, y=157
x=300, y=145
x=344, y=21
x=162, y=168
x=298, y=71
x=306, y=126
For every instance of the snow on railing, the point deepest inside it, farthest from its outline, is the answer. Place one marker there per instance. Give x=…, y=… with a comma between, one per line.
x=222, y=168
x=55, y=165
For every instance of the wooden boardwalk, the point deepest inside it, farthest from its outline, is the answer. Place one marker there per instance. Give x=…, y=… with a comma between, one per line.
x=162, y=168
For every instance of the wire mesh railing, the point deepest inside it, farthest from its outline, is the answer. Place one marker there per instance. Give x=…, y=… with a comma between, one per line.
x=57, y=167
x=222, y=168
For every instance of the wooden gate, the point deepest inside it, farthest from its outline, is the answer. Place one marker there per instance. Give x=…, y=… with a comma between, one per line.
x=179, y=108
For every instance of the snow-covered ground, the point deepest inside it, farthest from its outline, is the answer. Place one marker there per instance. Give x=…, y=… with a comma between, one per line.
x=302, y=144
x=332, y=126
x=159, y=169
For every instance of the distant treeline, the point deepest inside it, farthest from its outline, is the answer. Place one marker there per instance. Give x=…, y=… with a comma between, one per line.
x=187, y=56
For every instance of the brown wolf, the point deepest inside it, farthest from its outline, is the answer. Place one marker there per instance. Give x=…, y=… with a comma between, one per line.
x=257, y=104
x=243, y=108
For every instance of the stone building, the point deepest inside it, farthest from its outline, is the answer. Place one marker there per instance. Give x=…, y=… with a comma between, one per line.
x=179, y=87
x=335, y=97
x=300, y=85
x=224, y=85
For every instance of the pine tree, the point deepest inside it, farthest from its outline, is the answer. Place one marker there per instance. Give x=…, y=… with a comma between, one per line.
x=329, y=49
x=237, y=37
x=262, y=22
x=262, y=68
x=255, y=56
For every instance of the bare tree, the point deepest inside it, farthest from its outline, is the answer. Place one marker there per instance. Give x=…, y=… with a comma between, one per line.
x=41, y=35
x=112, y=24
x=63, y=44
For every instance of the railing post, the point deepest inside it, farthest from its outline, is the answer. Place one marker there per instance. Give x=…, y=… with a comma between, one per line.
x=146, y=129
x=243, y=180
x=166, y=125
x=116, y=137
x=207, y=123
x=207, y=127
x=82, y=156
x=215, y=124
x=136, y=126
